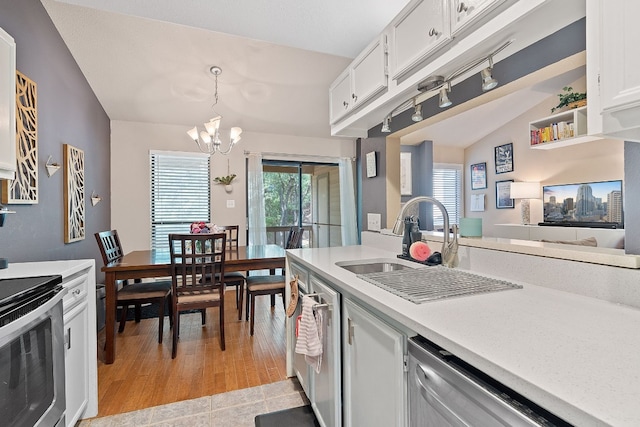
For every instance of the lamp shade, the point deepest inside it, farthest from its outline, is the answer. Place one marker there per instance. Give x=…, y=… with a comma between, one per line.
x=525, y=190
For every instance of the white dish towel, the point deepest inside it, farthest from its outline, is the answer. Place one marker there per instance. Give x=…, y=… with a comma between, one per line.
x=309, y=340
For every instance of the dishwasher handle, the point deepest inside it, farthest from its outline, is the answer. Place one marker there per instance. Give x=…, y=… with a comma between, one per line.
x=424, y=377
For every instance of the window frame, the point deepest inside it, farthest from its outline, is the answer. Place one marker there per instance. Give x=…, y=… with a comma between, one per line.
x=454, y=214
x=196, y=187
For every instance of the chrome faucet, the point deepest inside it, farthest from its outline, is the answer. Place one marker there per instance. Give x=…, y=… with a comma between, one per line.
x=449, y=250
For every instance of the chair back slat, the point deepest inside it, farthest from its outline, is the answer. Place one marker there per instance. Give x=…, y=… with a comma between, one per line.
x=232, y=234
x=294, y=241
x=197, y=261
x=109, y=244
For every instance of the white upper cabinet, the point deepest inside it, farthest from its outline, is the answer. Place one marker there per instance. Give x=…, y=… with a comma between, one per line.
x=7, y=106
x=365, y=78
x=420, y=29
x=466, y=12
x=340, y=96
x=619, y=65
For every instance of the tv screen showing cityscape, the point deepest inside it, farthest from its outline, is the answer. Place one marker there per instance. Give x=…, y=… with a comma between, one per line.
x=599, y=202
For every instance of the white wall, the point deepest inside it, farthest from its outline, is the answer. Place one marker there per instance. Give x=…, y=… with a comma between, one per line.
x=600, y=160
x=131, y=143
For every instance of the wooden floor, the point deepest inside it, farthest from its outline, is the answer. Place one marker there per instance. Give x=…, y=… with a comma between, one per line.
x=144, y=375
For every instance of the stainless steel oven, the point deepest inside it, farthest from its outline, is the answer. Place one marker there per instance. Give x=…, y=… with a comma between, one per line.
x=32, y=384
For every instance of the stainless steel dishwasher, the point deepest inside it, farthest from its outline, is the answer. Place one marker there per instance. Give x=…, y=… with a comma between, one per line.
x=446, y=391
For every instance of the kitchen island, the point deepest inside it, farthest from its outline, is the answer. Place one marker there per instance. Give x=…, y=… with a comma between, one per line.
x=574, y=355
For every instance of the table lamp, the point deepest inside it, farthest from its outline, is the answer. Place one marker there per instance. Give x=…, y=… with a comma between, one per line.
x=525, y=191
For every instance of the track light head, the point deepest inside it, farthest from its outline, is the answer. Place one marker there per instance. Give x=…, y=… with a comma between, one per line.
x=385, y=124
x=488, y=82
x=417, y=115
x=444, y=101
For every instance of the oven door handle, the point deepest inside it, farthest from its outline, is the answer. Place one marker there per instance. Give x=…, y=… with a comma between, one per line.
x=431, y=397
x=18, y=326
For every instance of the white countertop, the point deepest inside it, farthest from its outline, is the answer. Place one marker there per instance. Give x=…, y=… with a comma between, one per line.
x=576, y=356
x=45, y=268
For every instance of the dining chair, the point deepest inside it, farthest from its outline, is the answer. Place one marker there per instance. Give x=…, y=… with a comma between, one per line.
x=272, y=284
x=234, y=278
x=138, y=293
x=197, y=264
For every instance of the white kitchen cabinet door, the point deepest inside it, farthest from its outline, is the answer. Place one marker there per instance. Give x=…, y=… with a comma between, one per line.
x=340, y=96
x=325, y=396
x=76, y=322
x=619, y=76
x=464, y=13
x=419, y=30
x=369, y=72
x=7, y=106
x=374, y=381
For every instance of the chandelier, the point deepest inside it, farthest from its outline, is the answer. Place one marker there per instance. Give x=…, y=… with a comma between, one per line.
x=209, y=141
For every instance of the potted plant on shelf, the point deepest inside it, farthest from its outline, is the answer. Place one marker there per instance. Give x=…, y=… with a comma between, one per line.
x=571, y=99
x=226, y=180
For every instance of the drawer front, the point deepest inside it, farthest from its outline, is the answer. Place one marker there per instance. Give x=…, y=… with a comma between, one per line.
x=77, y=291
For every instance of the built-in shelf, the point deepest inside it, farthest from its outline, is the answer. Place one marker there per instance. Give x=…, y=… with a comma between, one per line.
x=560, y=130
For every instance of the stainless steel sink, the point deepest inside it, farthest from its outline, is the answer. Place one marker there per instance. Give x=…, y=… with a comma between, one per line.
x=373, y=266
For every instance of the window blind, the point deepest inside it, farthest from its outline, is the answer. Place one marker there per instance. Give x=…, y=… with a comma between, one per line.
x=180, y=194
x=447, y=188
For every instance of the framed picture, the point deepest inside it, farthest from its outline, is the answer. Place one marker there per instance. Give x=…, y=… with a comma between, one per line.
x=371, y=164
x=503, y=195
x=504, y=158
x=479, y=176
x=405, y=174
x=74, y=229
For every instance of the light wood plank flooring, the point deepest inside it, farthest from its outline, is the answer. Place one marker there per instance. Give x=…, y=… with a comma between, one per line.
x=144, y=375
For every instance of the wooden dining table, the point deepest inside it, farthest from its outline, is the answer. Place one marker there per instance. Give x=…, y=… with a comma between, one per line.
x=150, y=263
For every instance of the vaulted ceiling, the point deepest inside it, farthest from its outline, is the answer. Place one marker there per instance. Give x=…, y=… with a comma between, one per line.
x=149, y=60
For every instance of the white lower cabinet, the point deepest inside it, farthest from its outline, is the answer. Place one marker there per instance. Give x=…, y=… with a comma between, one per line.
x=374, y=363
x=76, y=348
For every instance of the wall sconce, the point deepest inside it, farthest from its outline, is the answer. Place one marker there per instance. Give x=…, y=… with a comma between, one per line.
x=525, y=191
x=386, y=124
x=488, y=82
x=444, y=101
x=417, y=115
x=95, y=199
x=52, y=168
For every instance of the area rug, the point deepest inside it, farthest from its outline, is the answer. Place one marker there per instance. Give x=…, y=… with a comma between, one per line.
x=295, y=417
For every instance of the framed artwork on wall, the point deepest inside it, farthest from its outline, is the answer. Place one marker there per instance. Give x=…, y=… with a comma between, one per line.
x=479, y=176
x=504, y=158
x=74, y=220
x=405, y=174
x=24, y=188
x=503, y=195
x=371, y=164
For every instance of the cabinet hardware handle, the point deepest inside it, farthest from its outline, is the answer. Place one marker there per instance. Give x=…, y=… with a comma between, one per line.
x=433, y=32
x=67, y=338
x=345, y=103
x=355, y=98
x=462, y=7
x=350, y=328
x=76, y=291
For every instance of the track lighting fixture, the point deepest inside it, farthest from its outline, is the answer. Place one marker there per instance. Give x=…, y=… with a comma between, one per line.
x=385, y=124
x=488, y=82
x=444, y=98
x=417, y=115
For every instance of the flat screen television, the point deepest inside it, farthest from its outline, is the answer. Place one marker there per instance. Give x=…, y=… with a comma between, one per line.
x=588, y=204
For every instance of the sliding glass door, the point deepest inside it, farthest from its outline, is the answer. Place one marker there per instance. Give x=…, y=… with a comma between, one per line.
x=302, y=194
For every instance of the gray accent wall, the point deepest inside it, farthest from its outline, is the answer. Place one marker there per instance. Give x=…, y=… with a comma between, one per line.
x=421, y=179
x=631, y=194
x=373, y=190
x=68, y=112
